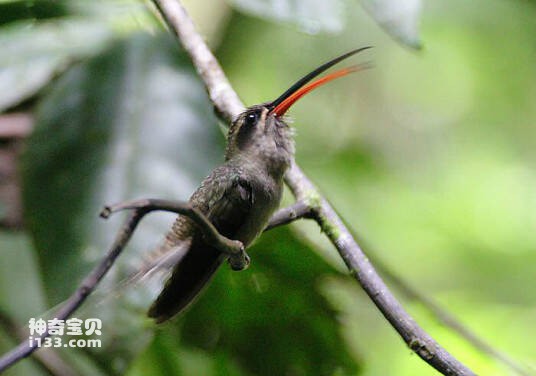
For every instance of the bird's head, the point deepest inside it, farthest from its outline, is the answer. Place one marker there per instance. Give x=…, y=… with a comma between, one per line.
x=260, y=133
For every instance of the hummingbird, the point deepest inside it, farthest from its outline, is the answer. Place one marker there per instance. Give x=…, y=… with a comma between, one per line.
x=239, y=196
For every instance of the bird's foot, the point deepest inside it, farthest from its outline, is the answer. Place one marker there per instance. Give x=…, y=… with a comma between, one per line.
x=239, y=260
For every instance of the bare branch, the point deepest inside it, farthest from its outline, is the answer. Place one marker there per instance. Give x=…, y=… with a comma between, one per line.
x=301, y=210
x=47, y=358
x=443, y=316
x=289, y=214
x=226, y=103
x=139, y=208
x=361, y=268
x=83, y=291
x=310, y=204
x=238, y=259
x=226, y=100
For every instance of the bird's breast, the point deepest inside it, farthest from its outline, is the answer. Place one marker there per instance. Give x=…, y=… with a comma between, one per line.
x=266, y=196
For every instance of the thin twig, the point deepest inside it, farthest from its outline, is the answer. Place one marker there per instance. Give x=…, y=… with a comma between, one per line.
x=361, y=268
x=140, y=208
x=226, y=102
x=289, y=214
x=47, y=359
x=302, y=210
x=228, y=105
x=86, y=287
x=238, y=259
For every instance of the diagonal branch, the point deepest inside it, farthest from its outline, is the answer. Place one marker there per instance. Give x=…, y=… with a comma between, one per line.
x=309, y=205
x=226, y=102
x=227, y=105
x=289, y=214
x=300, y=210
x=444, y=317
x=47, y=359
x=238, y=259
x=140, y=208
x=361, y=268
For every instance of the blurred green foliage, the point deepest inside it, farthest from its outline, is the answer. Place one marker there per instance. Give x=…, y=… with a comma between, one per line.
x=430, y=156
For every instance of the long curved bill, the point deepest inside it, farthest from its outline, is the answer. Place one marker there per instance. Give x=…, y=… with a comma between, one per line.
x=303, y=86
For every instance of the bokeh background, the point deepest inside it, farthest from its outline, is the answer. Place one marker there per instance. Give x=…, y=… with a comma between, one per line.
x=430, y=157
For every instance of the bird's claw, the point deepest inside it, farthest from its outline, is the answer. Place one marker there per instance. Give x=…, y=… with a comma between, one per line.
x=240, y=260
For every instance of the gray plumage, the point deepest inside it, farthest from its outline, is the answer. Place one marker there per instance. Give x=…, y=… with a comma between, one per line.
x=237, y=197
x=240, y=196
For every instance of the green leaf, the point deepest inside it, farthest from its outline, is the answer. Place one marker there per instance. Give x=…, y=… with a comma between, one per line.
x=400, y=19
x=134, y=122
x=163, y=357
x=33, y=53
x=312, y=16
x=41, y=38
x=19, y=276
x=271, y=319
x=17, y=10
x=131, y=123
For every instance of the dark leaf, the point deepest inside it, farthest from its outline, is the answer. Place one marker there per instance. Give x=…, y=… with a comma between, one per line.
x=33, y=53
x=131, y=123
x=312, y=16
x=272, y=319
x=400, y=19
x=17, y=10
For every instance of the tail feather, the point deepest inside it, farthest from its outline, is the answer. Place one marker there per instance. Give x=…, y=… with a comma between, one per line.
x=189, y=277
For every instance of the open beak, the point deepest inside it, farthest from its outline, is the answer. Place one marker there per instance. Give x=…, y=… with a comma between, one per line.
x=281, y=105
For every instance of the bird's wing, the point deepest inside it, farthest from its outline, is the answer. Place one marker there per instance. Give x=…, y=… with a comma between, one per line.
x=226, y=199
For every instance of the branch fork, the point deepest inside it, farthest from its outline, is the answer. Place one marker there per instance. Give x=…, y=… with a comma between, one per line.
x=238, y=258
x=228, y=106
x=309, y=204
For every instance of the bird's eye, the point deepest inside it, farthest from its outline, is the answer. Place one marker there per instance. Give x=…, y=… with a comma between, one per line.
x=251, y=119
